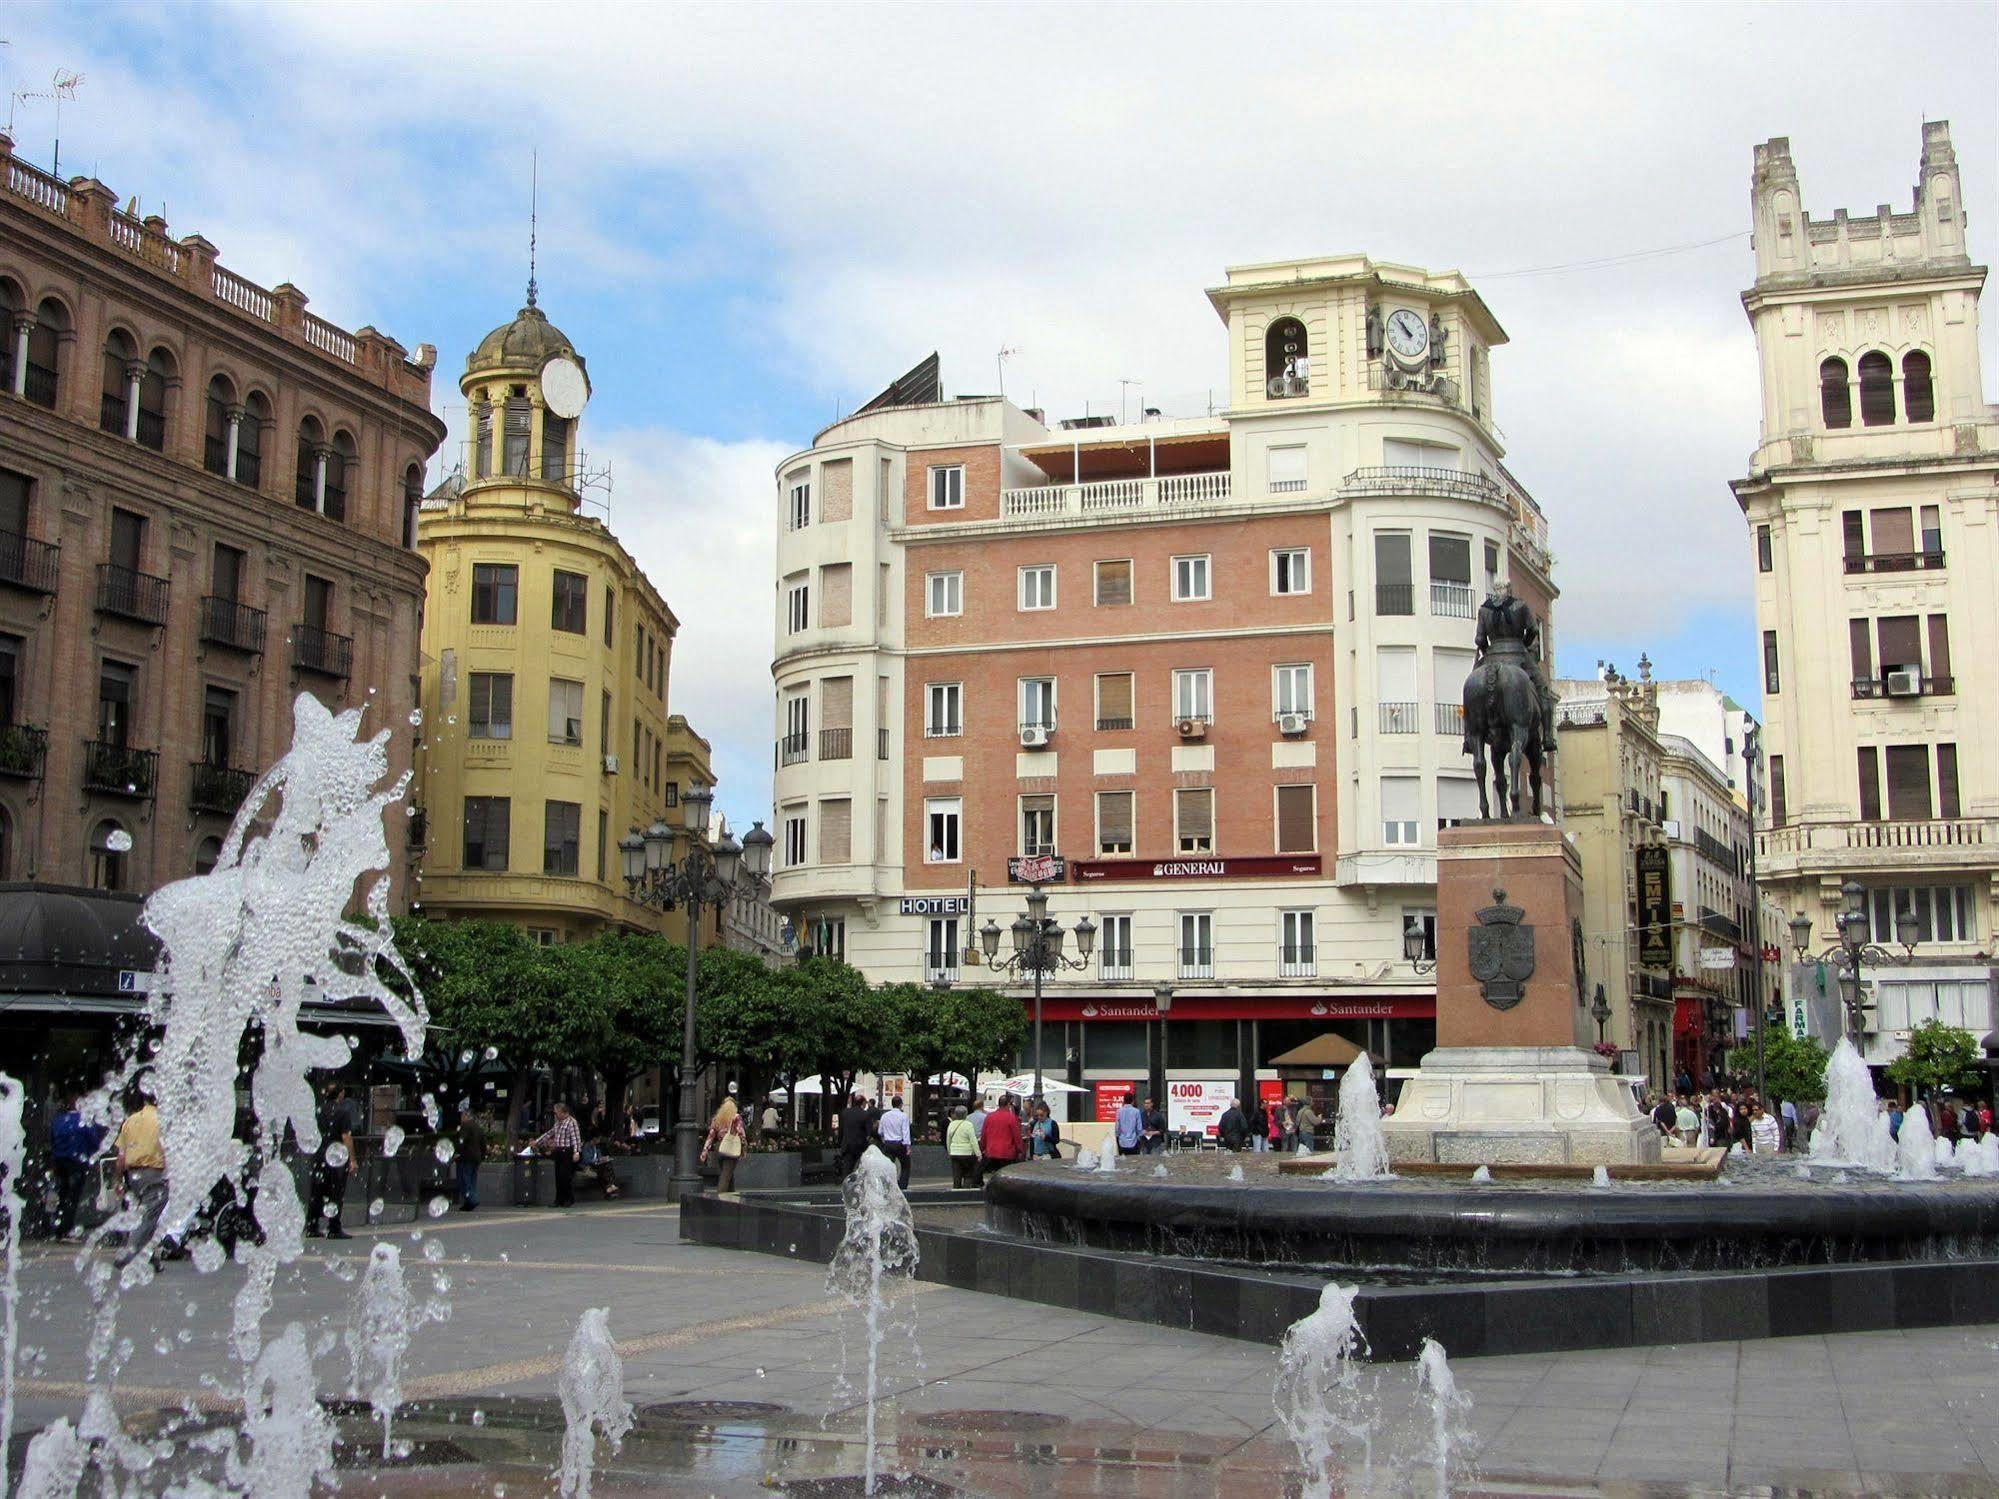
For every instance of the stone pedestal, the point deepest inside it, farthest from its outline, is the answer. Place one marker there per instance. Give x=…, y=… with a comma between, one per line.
x=1513, y=1079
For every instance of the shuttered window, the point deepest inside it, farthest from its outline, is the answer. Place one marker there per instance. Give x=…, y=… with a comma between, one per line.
x=1947, y=802
x=836, y=490
x=1901, y=642
x=1909, y=782
x=836, y=831
x=836, y=703
x=1114, y=822
x=1894, y=531
x=1194, y=820
x=1114, y=700
x=1779, y=803
x=1296, y=830
x=1853, y=528
x=836, y=595
x=1860, y=641
x=1939, y=645
x=1114, y=582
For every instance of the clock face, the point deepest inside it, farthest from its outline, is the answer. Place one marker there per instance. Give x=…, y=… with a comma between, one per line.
x=563, y=388
x=1408, y=334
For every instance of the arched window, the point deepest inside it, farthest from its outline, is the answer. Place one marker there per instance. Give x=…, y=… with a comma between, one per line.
x=119, y=356
x=44, y=350
x=339, y=467
x=412, y=502
x=109, y=846
x=311, y=446
x=1835, y=395
x=1919, y=400
x=250, y=441
x=514, y=435
x=1287, y=367
x=154, y=382
x=1877, y=389
x=482, y=441
x=11, y=303
x=207, y=854
x=215, y=425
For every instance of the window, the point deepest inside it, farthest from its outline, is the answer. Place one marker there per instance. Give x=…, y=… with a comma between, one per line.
x=565, y=711
x=555, y=432
x=836, y=830
x=486, y=829
x=1394, y=582
x=226, y=574
x=1763, y=559
x=1779, y=802
x=1909, y=783
x=1291, y=570
x=1297, y=819
x=798, y=607
x=1197, y=945
x=218, y=719
x=109, y=845
x=1947, y=799
x=942, y=705
x=1870, y=783
x=1395, y=689
x=1450, y=576
x=603, y=841
x=207, y=854
x=1457, y=801
x=1835, y=395
x=1401, y=810
x=1114, y=706
x=1942, y=912
x=1491, y=567
x=947, y=487
x=1287, y=365
x=794, y=839
x=569, y=611
x=836, y=595
x=517, y=425
x=1194, y=820
x=1114, y=819
x=1114, y=947
x=610, y=611
x=340, y=462
x=1877, y=389
x=10, y=668
x=1037, y=587
x=1770, y=662
x=943, y=595
x=14, y=492
x=1286, y=471
x=495, y=593
x=491, y=707
x=1190, y=579
x=1919, y=402
x=562, y=824
x=1295, y=955
x=1425, y=921
x=115, y=682
x=111, y=404
x=942, y=816
x=1193, y=695
x=1932, y=520
x=797, y=728
x=825, y=937
x=1291, y=689
x=940, y=948
x=1113, y=583
x=128, y=540
x=1037, y=825
x=1037, y=702
x=801, y=501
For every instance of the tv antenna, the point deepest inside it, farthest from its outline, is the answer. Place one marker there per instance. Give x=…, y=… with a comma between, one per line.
x=1007, y=351
x=1124, y=389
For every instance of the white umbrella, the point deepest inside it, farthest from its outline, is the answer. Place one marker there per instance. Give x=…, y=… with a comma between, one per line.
x=946, y=1080
x=1024, y=1085
x=810, y=1085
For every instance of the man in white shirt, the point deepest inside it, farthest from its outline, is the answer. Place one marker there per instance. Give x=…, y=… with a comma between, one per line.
x=979, y=1158
x=893, y=1134
x=1765, y=1138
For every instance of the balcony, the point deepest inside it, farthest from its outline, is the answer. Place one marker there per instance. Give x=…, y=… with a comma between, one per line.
x=836, y=744
x=317, y=650
x=23, y=750
x=1868, y=688
x=217, y=788
x=226, y=622
x=1114, y=725
x=119, y=770
x=1395, y=598
x=38, y=384
x=1400, y=718
x=1895, y=562
x=794, y=749
x=949, y=729
x=1841, y=847
x=1718, y=925
x=1297, y=962
x=1450, y=719
x=111, y=413
x=1197, y=962
x=135, y=595
x=1388, y=379
x=940, y=971
x=27, y=563
x=1116, y=962
x=1452, y=600
x=1113, y=496
x=1411, y=479
x=215, y=454
x=249, y=468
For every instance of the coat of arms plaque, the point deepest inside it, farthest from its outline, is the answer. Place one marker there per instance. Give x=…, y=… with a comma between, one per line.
x=1502, y=953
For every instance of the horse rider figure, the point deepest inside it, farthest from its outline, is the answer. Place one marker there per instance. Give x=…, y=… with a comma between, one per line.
x=1509, y=707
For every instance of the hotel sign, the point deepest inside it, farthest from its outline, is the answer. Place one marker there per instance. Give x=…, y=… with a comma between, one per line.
x=934, y=905
x=1197, y=869
x=1655, y=908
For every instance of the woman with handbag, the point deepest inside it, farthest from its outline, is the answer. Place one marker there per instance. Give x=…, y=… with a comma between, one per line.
x=725, y=1138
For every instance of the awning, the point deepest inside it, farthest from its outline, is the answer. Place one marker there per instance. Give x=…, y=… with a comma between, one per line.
x=1329, y=1050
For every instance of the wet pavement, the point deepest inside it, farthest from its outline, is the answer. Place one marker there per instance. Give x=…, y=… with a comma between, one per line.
x=1008, y=1398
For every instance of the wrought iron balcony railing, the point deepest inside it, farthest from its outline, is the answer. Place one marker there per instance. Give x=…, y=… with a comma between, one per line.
x=119, y=769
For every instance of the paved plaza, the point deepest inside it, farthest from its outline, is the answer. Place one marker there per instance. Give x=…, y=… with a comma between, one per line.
x=1093, y=1405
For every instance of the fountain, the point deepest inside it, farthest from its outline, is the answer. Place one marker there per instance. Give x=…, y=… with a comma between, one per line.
x=1323, y=1393
x=1916, y=1147
x=1235, y=1172
x=1988, y=1154
x=1600, y=1177
x=592, y=1387
x=1450, y=1419
x=13, y=1151
x=1086, y=1159
x=1946, y=1154
x=1107, y=1162
x=1852, y=1116
x=1481, y=1176
x=878, y=1247
x=1357, y=1137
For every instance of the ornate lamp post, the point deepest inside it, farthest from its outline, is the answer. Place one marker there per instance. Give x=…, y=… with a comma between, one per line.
x=1599, y=1011
x=1852, y=951
x=1037, y=949
x=669, y=866
x=1414, y=945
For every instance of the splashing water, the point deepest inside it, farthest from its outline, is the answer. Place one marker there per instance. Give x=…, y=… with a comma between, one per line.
x=1852, y=1116
x=290, y=1433
x=13, y=1150
x=1323, y=1393
x=1482, y=1175
x=592, y=1386
x=1107, y=1162
x=1450, y=1419
x=1235, y=1172
x=1357, y=1137
x=1917, y=1148
x=1600, y=1177
x=1158, y=1170
x=1946, y=1153
x=1822, y=1150
x=1086, y=1159
x=879, y=1246
x=379, y=1335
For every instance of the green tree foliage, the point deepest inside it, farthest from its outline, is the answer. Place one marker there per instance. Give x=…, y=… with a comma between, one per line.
x=1793, y=1066
x=1937, y=1057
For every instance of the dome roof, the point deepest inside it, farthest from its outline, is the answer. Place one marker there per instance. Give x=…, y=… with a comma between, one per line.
x=527, y=343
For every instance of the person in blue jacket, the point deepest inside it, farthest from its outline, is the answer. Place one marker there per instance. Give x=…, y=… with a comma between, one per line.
x=73, y=1145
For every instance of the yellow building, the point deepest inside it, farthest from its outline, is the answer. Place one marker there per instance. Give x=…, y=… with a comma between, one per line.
x=545, y=665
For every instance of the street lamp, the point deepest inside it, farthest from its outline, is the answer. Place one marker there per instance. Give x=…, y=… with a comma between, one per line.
x=659, y=875
x=1415, y=943
x=1037, y=949
x=1599, y=1011
x=1852, y=951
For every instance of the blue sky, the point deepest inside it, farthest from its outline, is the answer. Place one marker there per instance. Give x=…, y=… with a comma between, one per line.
x=752, y=217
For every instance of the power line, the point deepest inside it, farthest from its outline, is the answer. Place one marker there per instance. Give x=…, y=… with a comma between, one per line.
x=1607, y=260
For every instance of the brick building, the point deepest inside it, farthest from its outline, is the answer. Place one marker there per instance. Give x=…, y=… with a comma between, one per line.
x=207, y=506
x=1213, y=662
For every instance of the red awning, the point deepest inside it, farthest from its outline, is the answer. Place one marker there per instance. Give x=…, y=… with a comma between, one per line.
x=1244, y=1007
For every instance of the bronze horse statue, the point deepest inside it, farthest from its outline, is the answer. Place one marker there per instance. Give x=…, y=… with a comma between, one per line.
x=1508, y=707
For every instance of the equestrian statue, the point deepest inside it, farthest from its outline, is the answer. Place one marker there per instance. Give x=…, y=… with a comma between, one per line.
x=1509, y=707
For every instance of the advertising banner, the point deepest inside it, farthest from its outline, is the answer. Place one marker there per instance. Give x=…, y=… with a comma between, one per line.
x=1655, y=908
x=1270, y=1091
x=1036, y=869
x=1197, y=1103
x=1109, y=1097
x=1265, y=867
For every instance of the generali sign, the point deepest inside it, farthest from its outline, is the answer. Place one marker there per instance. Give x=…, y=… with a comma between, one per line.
x=1266, y=867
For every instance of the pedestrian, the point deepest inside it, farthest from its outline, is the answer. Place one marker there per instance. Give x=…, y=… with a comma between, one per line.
x=1686, y=1123
x=330, y=1168
x=142, y=1167
x=978, y=1123
x=1766, y=1137
x=1259, y=1127
x=999, y=1137
x=1984, y=1117
x=1787, y=1114
x=73, y=1145
x=564, y=1143
x=1155, y=1129
x=772, y=1120
x=962, y=1145
x=470, y=1148
x=1285, y=1136
x=1044, y=1136
x=1950, y=1129
x=1895, y=1117
x=1741, y=1135
x=1308, y=1126
x=725, y=1138
x=893, y=1130
x=1128, y=1127
x=1232, y=1129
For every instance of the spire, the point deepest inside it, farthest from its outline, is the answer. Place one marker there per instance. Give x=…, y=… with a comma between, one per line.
x=534, y=205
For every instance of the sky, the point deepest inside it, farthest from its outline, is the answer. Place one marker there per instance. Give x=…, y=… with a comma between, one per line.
x=753, y=216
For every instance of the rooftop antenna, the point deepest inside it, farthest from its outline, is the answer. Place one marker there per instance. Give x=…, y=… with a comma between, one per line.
x=64, y=86
x=1123, y=388
x=1007, y=351
x=534, y=208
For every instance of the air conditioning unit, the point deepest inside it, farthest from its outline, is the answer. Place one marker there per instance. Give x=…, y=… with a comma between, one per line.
x=1292, y=723
x=1033, y=736
x=1193, y=728
x=1905, y=681
x=610, y=765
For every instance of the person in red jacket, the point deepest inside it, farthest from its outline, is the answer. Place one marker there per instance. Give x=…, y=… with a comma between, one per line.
x=999, y=1137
